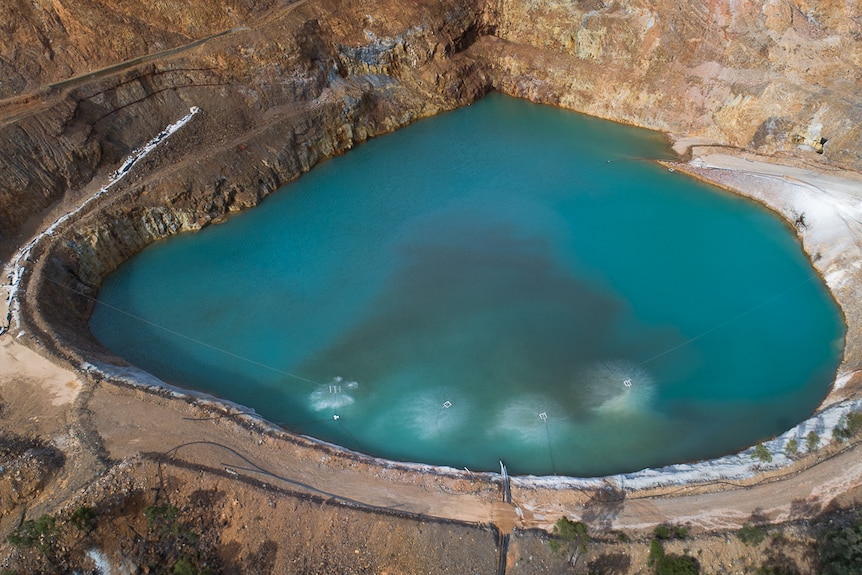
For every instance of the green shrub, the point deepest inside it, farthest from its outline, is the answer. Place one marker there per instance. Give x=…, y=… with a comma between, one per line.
x=656, y=552
x=839, y=550
x=670, y=564
x=665, y=532
x=812, y=441
x=188, y=566
x=677, y=565
x=84, y=518
x=161, y=516
x=792, y=448
x=761, y=453
x=573, y=535
x=849, y=427
x=572, y=532
x=621, y=536
x=41, y=533
x=751, y=535
x=772, y=569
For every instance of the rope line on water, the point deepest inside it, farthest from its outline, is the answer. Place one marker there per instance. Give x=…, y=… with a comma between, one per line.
x=731, y=320
x=184, y=336
x=550, y=449
x=347, y=431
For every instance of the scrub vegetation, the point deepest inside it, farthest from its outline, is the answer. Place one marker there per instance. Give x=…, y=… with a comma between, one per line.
x=849, y=427
x=839, y=549
x=572, y=539
x=670, y=532
x=63, y=543
x=751, y=534
x=812, y=441
x=670, y=563
x=761, y=453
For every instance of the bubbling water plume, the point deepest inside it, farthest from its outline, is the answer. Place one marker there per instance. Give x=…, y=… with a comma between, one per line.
x=433, y=413
x=526, y=419
x=334, y=395
x=618, y=386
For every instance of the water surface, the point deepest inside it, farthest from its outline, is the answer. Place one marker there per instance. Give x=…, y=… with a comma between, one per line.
x=506, y=281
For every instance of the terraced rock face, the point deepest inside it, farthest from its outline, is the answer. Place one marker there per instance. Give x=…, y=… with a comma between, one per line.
x=282, y=86
x=769, y=75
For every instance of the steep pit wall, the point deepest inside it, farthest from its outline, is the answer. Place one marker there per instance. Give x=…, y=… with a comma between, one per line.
x=771, y=76
x=406, y=61
x=764, y=75
x=46, y=42
x=274, y=101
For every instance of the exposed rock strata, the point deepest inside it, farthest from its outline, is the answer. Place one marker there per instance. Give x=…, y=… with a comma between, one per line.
x=767, y=75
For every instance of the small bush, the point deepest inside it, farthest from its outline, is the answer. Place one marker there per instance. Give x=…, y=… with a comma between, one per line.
x=621, y=536
x=677, y=565
x=791, y=449
x=849, y=427
x=761, y=453
x=188, y=566
x=574, y=537
x=664, y=532
x=83, y=518
x=812, y=441
x=773, y=569
x=656, y=552
x=670, y=564
x=839, y=550
x=161, y=516
x=751, y=535
x=41, y=533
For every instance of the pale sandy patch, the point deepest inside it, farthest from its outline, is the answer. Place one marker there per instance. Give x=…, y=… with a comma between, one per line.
x=20, y=362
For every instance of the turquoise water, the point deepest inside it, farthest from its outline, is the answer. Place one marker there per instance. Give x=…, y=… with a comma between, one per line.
x=506, y=281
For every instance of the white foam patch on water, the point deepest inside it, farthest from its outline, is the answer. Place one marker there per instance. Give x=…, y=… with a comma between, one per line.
x=336, y=394
x=529, y=419
x=435, y=413
x=617, y=386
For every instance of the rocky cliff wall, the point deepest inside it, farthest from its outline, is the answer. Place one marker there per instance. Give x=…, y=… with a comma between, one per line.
x=769, y=75
x=274, y=101
x=49, y=41
x=388, y=67
x=290, y=84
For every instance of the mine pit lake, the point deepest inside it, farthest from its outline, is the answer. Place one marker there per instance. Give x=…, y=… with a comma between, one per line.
x=506, y=282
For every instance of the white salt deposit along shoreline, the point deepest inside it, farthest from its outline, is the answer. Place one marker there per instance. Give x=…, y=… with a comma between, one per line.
x=827, y=201
x=832, y=210
x=15, y=270
x=739, y=466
